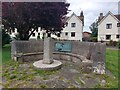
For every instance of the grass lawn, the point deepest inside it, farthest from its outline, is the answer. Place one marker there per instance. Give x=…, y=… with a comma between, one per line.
x=111, y=64
x=112, y=61
x=6, y=53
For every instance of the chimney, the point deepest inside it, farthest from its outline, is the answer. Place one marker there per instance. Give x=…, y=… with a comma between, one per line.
x=82, y=17
x=101, y=16
x=81, y=14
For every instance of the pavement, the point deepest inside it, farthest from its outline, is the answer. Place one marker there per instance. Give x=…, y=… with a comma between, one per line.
x=113, y=48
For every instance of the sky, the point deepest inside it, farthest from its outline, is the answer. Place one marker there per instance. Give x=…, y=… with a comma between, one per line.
x=92, y=9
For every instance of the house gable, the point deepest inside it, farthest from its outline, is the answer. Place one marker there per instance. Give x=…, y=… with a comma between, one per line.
x=107, y=27
x=73, y=29
x=109, y=13
x=74, y=15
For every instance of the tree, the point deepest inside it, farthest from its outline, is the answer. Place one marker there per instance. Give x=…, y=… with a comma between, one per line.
x=28, y=16
x=94, y=29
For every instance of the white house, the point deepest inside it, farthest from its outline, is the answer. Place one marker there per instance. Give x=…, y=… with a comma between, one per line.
x=74, y=27
x=13, y=33
x=37, y=33
x=109, y=27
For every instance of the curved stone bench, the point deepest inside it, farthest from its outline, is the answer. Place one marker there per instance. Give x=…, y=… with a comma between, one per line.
x=56, y=55
x=82, y=61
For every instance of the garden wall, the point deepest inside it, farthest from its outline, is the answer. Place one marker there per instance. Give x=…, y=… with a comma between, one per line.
x=32, y=50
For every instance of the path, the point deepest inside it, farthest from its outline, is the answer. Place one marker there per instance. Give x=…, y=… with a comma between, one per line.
x=113, y=48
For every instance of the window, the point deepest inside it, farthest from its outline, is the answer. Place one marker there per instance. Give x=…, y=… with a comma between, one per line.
x=10, y=32
x=43, y=36
x=118, y=24
x=108, y=37
x=108, y=26
x=117, y=36
x=2, y=27
x=33, y=34
x=72, y=34
x=36, y=30
x=38, y=33
x=13, y=30
x=66, y=23
x=58, y=34
x=73, y=24
x=66, y=33
x=49, y=34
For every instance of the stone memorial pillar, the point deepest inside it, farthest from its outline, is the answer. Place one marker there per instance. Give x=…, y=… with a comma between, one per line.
x=47, y=56
x=48, y=63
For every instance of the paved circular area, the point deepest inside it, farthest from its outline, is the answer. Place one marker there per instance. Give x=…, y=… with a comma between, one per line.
x=55, y=65
x=25, y=75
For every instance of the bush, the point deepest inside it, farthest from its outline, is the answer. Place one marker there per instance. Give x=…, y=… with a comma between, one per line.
x=16, y=37
x=5, y=38
x=112, y=43
x=94, y=39
x=88, y=39
x=118, y=44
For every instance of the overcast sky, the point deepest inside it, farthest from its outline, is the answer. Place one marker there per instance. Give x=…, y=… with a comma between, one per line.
x=92, y=9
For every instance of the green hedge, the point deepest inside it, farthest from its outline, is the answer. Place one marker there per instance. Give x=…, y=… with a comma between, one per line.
x=118, y=44
x=94, y=39
x=113, y=43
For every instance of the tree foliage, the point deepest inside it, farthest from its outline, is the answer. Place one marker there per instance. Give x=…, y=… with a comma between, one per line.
x=28, y=16
x=94, y=29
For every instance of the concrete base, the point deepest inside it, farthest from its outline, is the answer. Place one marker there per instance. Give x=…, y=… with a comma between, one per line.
x=53, y=66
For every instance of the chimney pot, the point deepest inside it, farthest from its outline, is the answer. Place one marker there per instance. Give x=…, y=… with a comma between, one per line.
x=101, y=14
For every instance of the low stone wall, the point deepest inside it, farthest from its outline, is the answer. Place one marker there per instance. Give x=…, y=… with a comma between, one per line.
x=33, y=50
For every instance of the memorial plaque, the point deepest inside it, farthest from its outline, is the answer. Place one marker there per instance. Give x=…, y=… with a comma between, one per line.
x=63, y=46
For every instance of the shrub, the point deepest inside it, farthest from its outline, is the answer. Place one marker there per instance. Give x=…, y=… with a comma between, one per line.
x=118, y=44
x=86, y=39
x=94, y=39
x=5, y=38
x=112, y=43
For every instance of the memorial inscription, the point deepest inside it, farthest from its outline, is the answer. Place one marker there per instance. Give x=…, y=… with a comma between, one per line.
x=63, y=46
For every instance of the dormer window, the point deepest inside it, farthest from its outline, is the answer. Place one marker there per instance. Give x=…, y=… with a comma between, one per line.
x=109, y=26
x=73, y=24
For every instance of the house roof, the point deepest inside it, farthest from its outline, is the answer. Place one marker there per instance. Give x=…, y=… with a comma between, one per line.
x=79, y=17
x=117, y=17
x=87, y=32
